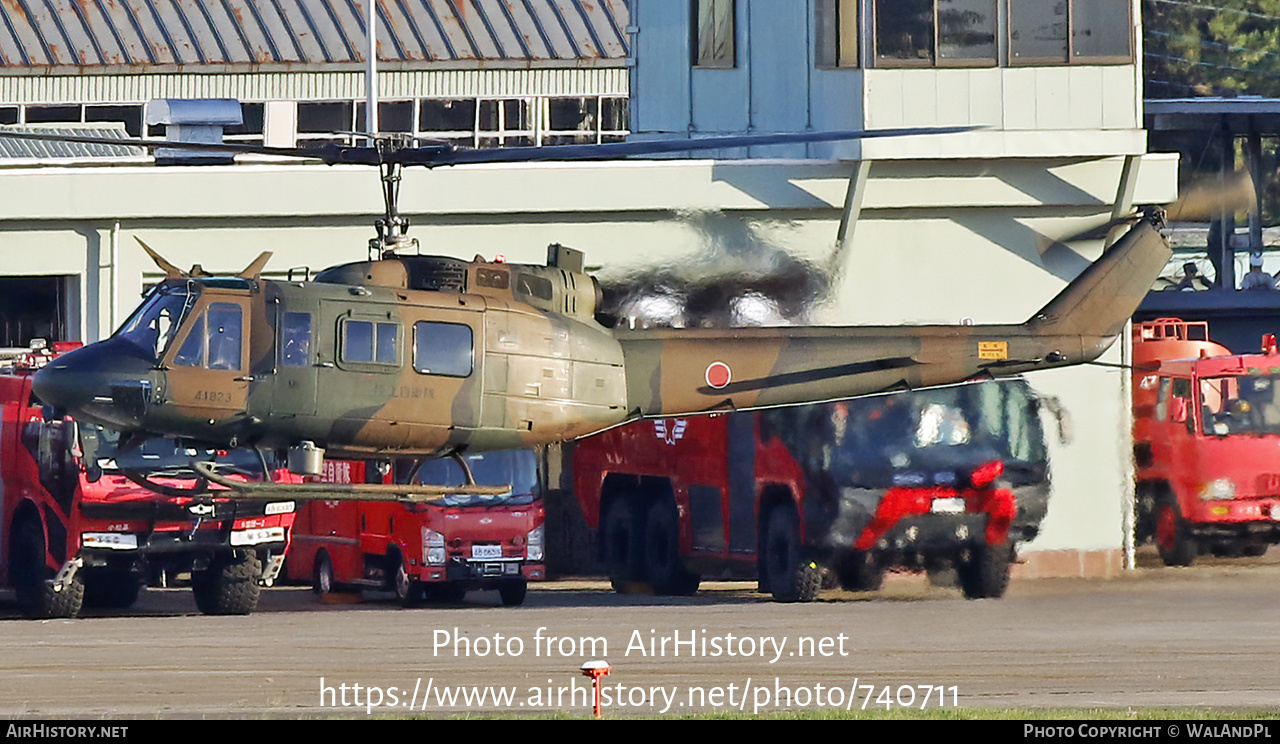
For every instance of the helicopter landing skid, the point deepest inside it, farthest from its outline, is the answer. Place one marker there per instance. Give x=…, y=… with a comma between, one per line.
x=417, y=492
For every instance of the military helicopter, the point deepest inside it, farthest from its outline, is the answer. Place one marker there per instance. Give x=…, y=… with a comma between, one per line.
x=428, y=356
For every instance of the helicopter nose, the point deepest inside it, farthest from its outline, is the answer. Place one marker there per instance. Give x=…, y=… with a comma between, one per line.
x=105, y=383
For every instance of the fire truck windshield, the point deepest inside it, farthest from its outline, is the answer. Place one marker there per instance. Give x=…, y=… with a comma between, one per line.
x=516, y=468
x=153, y=325
x=1240, y=405
x=931, y=432
x=161, y=458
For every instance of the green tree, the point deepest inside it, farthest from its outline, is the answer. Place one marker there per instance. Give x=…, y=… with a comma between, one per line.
x=1198, y=48
x=1211, y=47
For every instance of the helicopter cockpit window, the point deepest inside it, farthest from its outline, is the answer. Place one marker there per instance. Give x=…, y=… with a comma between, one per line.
x=214, y=340
x=295, y=340
x=367, y=342
x=443, y=349
x=153, y=326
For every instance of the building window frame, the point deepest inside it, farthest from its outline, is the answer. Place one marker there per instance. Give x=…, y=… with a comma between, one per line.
x=935, y=57
x=713, y=32
x=1070, y=53
x=837, y=28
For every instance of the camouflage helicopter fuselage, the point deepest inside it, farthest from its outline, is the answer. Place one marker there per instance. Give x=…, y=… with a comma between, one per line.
x=422, y=355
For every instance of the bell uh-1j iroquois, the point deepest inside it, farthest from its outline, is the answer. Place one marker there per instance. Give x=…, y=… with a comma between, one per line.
x=415, y=355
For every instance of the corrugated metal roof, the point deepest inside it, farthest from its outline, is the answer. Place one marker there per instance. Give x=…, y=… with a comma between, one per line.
x=135, y=35
x=31, y=149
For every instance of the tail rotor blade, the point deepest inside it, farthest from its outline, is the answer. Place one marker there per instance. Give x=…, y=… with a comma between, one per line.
x=1208, y=198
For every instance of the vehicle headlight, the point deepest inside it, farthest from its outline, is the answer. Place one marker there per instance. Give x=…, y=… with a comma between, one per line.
x=433, y=547
x=534, y=542
x=1218, y=490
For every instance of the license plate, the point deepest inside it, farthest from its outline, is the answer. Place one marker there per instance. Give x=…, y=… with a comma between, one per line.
x=486, y=551
x=947, y=506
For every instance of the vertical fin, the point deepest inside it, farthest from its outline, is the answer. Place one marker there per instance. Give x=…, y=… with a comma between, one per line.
x=1108, y=291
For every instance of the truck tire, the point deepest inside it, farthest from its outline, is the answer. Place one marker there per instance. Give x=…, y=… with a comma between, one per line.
x=322, y=581
x=792, y=576
x=1173, y=538
x=512, y=592
x=859, y=571
x=408, y=591
x=664, y=568
x=985, y=575
x=112, y=589
x=623, y=550
x=35, y=595
x=1254, y=550
x=229, y=586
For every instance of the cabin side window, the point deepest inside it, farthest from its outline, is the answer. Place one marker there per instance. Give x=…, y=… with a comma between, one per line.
x=295, y=339
x=369, y=342
x=533, y=285
x=215, y=339
x=446, y=349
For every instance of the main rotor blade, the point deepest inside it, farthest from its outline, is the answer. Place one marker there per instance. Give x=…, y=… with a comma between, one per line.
x=432, y=154
x=227, y=147
x=612, y=150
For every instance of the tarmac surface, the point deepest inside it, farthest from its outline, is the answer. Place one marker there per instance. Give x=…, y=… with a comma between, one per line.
x=1207, y=636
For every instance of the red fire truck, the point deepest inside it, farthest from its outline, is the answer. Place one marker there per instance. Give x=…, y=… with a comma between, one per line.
x=1206, y=433
x=80, y=528
x=933, y=479
x=437, y=550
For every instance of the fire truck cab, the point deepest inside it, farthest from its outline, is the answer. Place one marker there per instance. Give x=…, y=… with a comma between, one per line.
x=1206, y=434
x=436, y=550
x=83, y=524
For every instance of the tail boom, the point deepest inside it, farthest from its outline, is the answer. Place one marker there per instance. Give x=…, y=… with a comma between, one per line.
x=680, y=371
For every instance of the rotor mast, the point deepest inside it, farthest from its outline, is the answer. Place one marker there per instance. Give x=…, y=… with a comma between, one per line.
x=392, y=227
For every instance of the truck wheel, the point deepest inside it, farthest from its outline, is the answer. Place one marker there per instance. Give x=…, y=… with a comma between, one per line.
x=859, y=571
x=229, y=586
x=322, y=582
x=622, y=547
x=792, y=576
x=512, y=592
x=408, y=591
x=112, y=589
x=1176, y=546
x=1256, y=549
x=663, y=566
x=35, y=595
x=985, y=575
